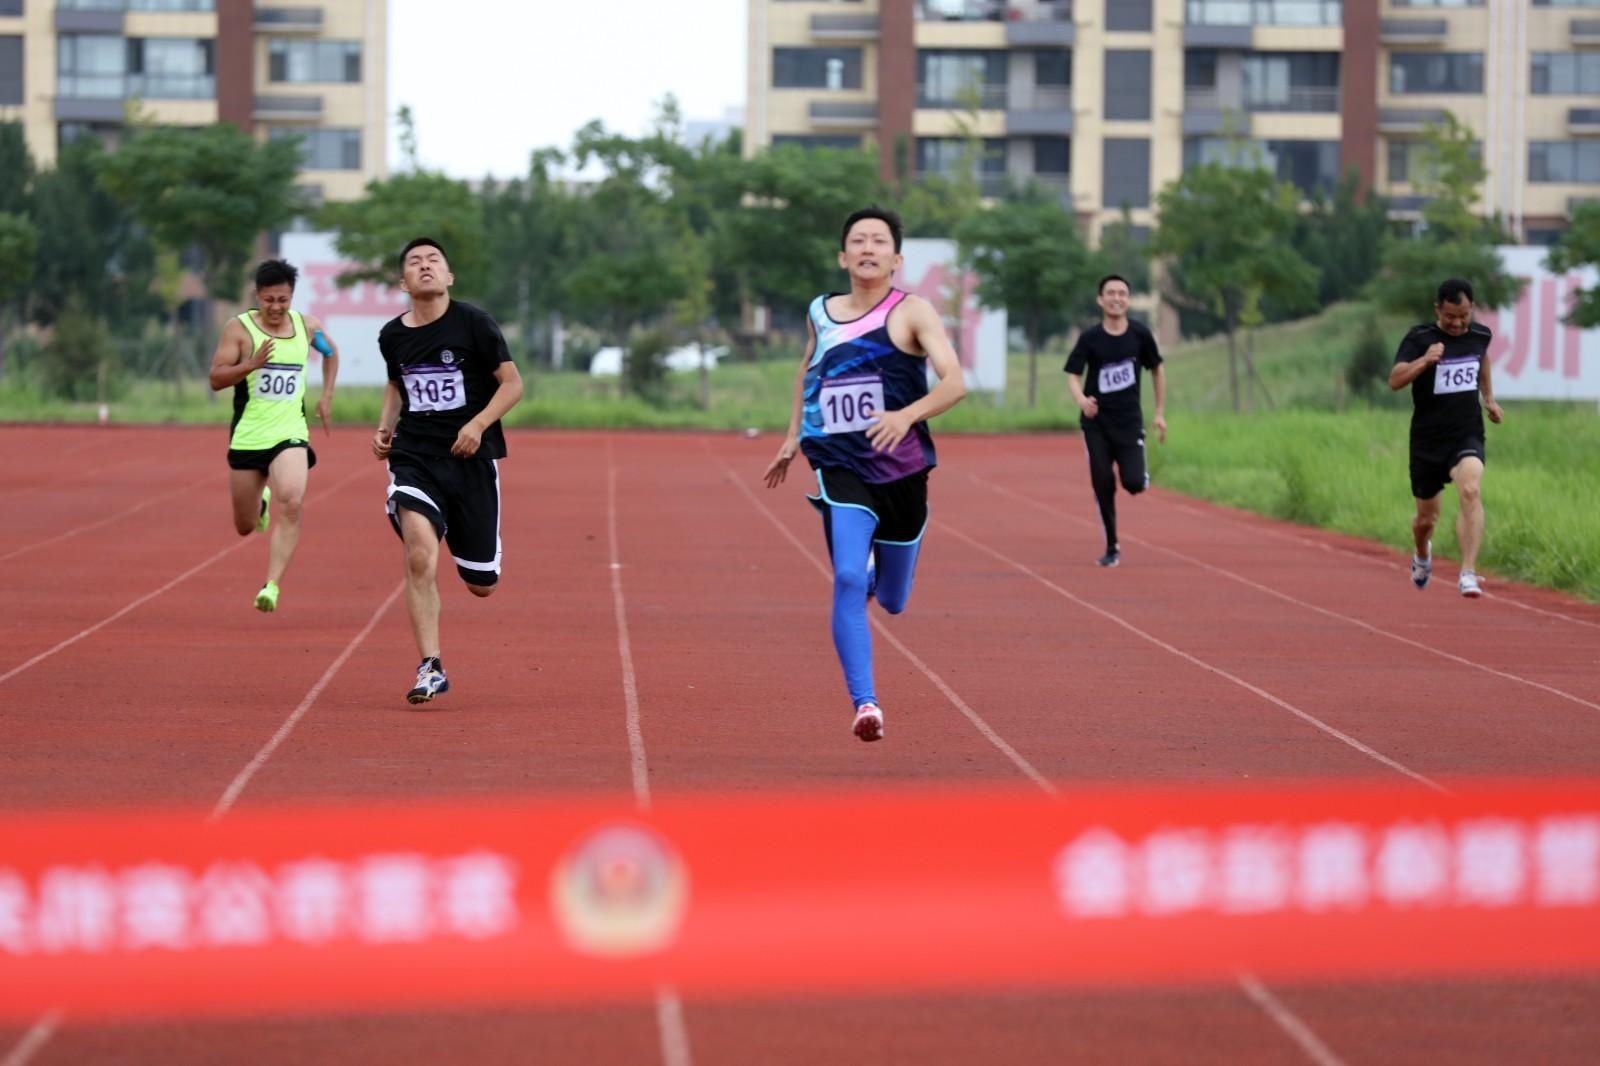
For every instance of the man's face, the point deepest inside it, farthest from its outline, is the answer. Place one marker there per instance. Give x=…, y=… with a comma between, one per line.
x=869, y=253
x=425, y=272
x=1113, y=299
x=1454, y=318
x=273, y=303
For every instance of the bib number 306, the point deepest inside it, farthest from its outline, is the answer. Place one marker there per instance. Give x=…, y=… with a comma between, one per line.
x=1458, y=375
x=278, y=382
x=849, y=405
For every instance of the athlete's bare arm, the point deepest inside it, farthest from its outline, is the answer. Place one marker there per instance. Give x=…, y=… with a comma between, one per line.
x=383, y=439
x=330, y=369
x=233, y=361
x=1486, y=390
x=778, y=469
x=926, y=336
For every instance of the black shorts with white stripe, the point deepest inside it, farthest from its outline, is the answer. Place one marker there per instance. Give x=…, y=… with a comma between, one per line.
x=461, y=497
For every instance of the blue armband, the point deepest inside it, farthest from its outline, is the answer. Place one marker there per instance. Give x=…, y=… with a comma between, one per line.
x=321, y=343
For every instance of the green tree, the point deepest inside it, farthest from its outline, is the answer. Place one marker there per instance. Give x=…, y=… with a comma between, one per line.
x=528, y=233
x=1579, y=247
x=80, y=359
x=1342, y=235
x=1454, y=241
x=1230, y=229
x=1032, y=261
x=17, y=170
x=19, y=245
x=1126, y=251
x=370, y=232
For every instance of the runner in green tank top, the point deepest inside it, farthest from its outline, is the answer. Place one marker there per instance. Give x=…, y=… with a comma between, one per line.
x=262, y=355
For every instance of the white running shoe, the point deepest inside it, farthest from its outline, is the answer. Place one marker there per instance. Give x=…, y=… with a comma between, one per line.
x=869, y=722
x=1422, y=569
x=1470, y=588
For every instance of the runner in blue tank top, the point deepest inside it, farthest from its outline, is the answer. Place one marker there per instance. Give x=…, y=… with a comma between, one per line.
x=860, y=414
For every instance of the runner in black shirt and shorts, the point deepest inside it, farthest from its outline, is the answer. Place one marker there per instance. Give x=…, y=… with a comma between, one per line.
x=1446, y=363
x=1103, y=372
x=451, y=379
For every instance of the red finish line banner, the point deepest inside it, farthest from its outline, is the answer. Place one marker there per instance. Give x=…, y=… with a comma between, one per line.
x=538, y=901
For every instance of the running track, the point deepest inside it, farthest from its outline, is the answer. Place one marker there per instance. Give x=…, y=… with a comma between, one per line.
x=134, y=672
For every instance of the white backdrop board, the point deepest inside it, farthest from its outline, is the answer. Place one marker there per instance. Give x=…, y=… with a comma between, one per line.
x=1535, y=355
x=979, y=335
x=351, y=316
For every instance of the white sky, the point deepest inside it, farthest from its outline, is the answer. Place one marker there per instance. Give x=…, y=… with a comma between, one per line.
x=488, y=81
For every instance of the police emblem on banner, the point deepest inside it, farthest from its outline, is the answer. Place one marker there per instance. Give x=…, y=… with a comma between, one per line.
x=620, y=891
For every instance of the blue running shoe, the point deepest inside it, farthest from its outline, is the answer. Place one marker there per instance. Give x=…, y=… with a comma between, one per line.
x=1422, y=569
x=431, y=682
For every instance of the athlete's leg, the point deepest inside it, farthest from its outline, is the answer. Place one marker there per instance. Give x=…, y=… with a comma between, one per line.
x=849, y=531
x=1468, y=476
x=474, y=517
x=1104, y=480
x=1423, y=523
x=897, y=568
x=244, y=488
x=287, y=478
x=1132, y=469
x=422, y=588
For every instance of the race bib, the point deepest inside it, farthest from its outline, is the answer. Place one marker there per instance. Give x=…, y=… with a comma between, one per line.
x=1114, y=377
x=1456, y=375
x=279, y=381
x=435, y=388
x=850, y=404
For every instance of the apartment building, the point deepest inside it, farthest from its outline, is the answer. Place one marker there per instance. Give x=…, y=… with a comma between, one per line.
x=75, y=68
x=1106, y=101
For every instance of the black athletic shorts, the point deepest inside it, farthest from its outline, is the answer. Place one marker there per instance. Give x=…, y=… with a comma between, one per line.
x=261, y=459
x=461, y=497
x=901, y=506
x=1431, y=463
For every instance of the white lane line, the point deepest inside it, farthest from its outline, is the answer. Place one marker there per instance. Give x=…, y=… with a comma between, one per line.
x=1276, y=701
x=35, y=1038
x=237, y=785
x=1296, y=1030
x=671, y=1027
x=151, y=502
x=1349, y=620
x=147, y=597
x=949, y=693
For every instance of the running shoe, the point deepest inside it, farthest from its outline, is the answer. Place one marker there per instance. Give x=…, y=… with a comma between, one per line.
x=869, y=722
x=1110, y=558
x=266, y=516
x=1422, y=569
x=431, y=682
x=267, y=598
x=1469, y=586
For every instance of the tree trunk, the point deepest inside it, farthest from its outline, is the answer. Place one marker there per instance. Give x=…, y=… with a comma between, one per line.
x=1033, y=363
x=1233, y=364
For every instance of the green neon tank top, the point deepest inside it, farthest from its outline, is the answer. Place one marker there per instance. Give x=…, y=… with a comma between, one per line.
x=269, y=405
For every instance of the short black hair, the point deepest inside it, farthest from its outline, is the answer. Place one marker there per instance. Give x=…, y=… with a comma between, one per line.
x=1108, y=279
x=276, y=272
x=421, y=242
x=882, y=214
x=1452, y=290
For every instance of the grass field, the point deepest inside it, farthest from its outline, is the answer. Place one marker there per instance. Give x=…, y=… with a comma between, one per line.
x=1305, y=450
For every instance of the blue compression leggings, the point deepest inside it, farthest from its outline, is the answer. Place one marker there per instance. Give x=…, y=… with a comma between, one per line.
x=849, y=531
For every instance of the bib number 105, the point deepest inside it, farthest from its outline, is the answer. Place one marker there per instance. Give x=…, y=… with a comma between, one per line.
x=850, y=405
x=435, y=390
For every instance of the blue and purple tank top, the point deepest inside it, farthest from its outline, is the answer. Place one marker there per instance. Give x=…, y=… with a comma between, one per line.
x=855, y=373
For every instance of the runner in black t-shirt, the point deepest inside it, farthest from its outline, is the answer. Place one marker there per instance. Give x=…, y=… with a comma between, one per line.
x=1446, y=363
x=1103, y=374
x=451, y=380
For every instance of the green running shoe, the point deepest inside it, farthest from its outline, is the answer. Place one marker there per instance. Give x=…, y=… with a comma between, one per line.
x=266, y=516
x=267, y=598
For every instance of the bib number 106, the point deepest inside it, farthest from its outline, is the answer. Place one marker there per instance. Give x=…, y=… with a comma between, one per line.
x=849, y=405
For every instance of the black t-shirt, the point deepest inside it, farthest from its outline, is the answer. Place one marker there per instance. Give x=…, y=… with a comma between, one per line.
x=445, y=372
x=1113, y=363
x=1444, y=397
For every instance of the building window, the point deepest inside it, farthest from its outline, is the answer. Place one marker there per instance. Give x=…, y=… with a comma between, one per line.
x=954, y=158
x=1439, y=3
x=10, y=70
x=1265, y=13
x=1564, y=162
x=847, y=142
x=816, y=68
x=961, y=79
x=1406, y=162
x=1053, y=67
x=171, y=68
x=1052, y=155
x=304, y=62
x=324, y=149
x=1125, y=172
x=1566, y=3
x=1303, y=81
x=1435, y=72
x=1564, y=73
x=1128, y=15
x=91, y=66
x=1127, y=84
x=137, y=5
x=11, y=8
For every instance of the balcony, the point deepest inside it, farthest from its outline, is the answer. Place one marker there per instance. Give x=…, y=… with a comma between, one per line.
x=1041, y=111
x=1302, y=99
x=961, y=10
x=288, y=20
x=89, y=20
x=1583, y=121
x=844, y=27
x=95, y=90
x=1042, y=24
x=1409, y=119
x=1413, y=31
x=287, y=109
x=1586, y=31
x=844, y=114
x=1264, y=13
x=985, y=97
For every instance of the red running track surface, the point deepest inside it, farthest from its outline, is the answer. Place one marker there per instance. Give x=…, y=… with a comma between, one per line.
x=1226, y=647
